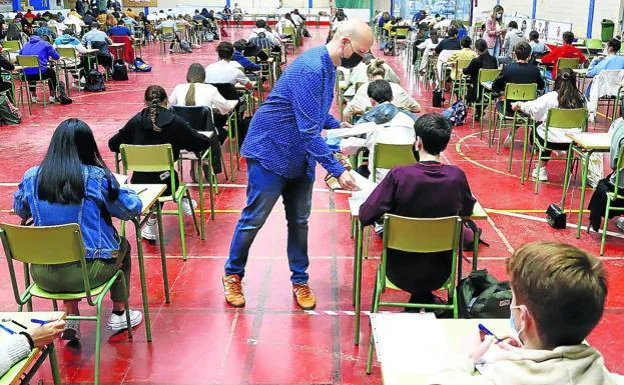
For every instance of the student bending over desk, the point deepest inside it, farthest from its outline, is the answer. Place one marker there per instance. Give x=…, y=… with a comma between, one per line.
x=156, y=124
x=73, y=185
x=427, y=189
x=18, y=346
x=558, y=296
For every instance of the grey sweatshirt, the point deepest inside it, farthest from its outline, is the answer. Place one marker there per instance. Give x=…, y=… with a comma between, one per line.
x=12, y=350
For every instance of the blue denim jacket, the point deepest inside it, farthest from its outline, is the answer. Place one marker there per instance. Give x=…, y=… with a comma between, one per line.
x=93, y=214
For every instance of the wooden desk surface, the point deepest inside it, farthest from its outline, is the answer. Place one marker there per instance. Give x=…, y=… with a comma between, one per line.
x=411, y=347
x=148, y=193
x=13, y=375
x=592, y=140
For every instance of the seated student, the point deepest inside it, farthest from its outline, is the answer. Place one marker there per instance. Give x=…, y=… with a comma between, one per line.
x=398, y=124
x=36, y=46
x=565, y=95
x=67, y=40
x=169, y=23
x=76, y=21
x=156, y=124
x=513, y=37
x=44, y=30
x=451, y=43
x=538, y=47
x=550, y=320
x=17, y=347
x=483, y=60
x=88, y=18
x=598, y=203
x=359, y=74
x=427, y=47
x=465, y=53
x=361, y=101
x=195, y=92
x=285, y=22
x=520, y=72
x=239, y=57
x=5, y=64
x=222, y=72
x=263, y=38
x=120, y=30
x=97, y=39
x=612, y=61
x=428, y=189
x=567, y=50
x=73, y=185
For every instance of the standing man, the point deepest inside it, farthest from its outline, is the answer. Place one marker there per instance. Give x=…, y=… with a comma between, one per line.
x=282, y=148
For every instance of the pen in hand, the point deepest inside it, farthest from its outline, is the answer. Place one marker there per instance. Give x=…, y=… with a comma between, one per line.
x=487, y=332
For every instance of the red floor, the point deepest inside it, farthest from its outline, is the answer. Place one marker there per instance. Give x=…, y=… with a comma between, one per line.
x=197, y=339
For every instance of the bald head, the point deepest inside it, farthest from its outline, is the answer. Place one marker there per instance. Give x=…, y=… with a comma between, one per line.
x=358, y=31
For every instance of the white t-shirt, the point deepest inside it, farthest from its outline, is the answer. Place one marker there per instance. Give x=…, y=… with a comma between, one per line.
x=224, y=72
x=205, y=95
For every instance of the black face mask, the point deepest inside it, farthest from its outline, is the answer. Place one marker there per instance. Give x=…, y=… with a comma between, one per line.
x=352, y=61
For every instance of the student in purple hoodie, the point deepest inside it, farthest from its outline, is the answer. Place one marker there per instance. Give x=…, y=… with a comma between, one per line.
x=41, y=48
x=428, y=189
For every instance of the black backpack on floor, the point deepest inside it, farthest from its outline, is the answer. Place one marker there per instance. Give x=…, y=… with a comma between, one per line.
x=94, y=81
x=120, y=71
x=481, y=296
x=62, y=94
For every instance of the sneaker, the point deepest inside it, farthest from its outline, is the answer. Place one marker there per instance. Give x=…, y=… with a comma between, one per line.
x=507, y=142
x=52, y=99
x=34, y=99
x=304, y=295
x=118, y=322
x=543, y=176
x=171, y=51
x=233, y=290
x=71, y=331
x=150, y=231
x=186, y=207
x=620, y=223
x=379, y=228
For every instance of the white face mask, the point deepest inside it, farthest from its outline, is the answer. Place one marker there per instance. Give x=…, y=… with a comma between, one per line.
x=499, y=15
x=512, y=322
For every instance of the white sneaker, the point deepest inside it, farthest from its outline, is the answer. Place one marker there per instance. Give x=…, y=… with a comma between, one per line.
x=620, y=223
x=507, y=142
x=150, y=231
x=543, y=176
x=71, y=331
x=379, y=228
x=52, y=99
x=186, y=207
x=34, y=99
x=118, y=322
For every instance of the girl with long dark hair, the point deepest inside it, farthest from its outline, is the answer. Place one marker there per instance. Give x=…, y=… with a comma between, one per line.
x=565, y=95
x=74, y=185
x=156, y=124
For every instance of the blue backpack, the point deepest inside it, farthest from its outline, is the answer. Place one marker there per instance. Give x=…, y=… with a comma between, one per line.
x=140, y=66
x=456, y=114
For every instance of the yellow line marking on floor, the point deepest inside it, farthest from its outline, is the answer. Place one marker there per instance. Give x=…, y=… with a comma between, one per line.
x=230, y=211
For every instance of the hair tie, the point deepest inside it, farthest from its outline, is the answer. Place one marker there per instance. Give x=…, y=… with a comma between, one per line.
x=565, y=75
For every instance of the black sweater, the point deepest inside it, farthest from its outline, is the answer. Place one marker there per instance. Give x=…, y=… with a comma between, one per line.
x=448, y=44
x=518, y=73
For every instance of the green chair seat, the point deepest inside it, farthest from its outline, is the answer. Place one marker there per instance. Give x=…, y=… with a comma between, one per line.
x=37, y=291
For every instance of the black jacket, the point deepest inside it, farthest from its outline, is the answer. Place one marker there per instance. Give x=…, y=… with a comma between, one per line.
x=174, y=130
x=485, y=61
x=518, y=73
x=448, y=44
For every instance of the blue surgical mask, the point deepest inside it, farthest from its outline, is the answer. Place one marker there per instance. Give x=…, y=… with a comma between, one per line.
x=512, y=323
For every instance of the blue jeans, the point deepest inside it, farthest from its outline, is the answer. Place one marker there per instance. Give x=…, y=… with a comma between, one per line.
x=263, y=190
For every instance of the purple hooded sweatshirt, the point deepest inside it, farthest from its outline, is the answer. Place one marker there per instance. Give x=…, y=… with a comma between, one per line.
x=36, y=46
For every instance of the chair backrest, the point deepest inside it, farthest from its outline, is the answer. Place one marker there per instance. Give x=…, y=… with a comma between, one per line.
x=167, y=31
x=43, y=245
x=402, y=32
x=392, y=155
x=488, y=75
x=153, y=158
x=289, y=31
x=227, y=90
x=566, y=62
x=198, y=117
x=566, y=118
x=13, y=45
x=593, y=43
x=520, y=92
x=67, y=52
x=463, y=63
x=28, y=61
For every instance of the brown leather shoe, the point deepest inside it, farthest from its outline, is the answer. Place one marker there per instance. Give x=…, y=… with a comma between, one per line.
x=304, y=295
x=233, y=290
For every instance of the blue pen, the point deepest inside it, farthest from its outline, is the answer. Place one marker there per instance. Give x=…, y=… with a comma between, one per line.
x=487, y=331
x=38, y=321
x=6, y=329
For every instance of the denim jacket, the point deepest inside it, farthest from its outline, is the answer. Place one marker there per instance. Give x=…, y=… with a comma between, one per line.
x=93, y=214
x=383, y=113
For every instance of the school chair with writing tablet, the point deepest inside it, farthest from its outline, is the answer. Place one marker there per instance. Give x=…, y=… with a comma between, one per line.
x=55, y=245
x=612, y=197
x=388, y=156
x=485, y=75
x=513, y=93
x=168, y=36
x=159, y=158
x=561, y=119
x=70, y=63
x=31, y=62
x=458, y=85
x=416, y=235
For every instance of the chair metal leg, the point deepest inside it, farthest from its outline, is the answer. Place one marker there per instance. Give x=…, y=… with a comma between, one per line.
x=181, y=223
x=188, y=196
x=537, y=167
x=56, y=376
x=163, y=258
x=124, y=285
x=604, y=227
x=98, y=340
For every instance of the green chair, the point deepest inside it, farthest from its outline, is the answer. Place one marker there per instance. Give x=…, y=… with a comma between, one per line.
x=31, y=62
x=485, y=75
x=70, y=63
x=593, y=44
x=417, y=235
x=167, y=36
x=560, y=118
x=392, y=155
x=294, y=41
x=54, y=245
x=159, y=158
x=565, y=63
x=513, y=93
x=399, y=36
x=458, y=84
x=612, y=197
x=11, y=45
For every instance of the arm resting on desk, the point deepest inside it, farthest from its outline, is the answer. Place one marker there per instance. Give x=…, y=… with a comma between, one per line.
x=12, y=350
x=459, y=370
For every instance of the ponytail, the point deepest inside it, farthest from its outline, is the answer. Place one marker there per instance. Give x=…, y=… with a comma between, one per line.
x=190, y=96
x=568, y=94
x=376, y=68
x=154, y=97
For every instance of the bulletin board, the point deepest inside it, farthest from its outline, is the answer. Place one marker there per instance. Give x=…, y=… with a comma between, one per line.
x=555, y=31
x=140, y=3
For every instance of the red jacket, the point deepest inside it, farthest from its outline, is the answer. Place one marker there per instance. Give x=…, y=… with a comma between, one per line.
x=564, y=51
